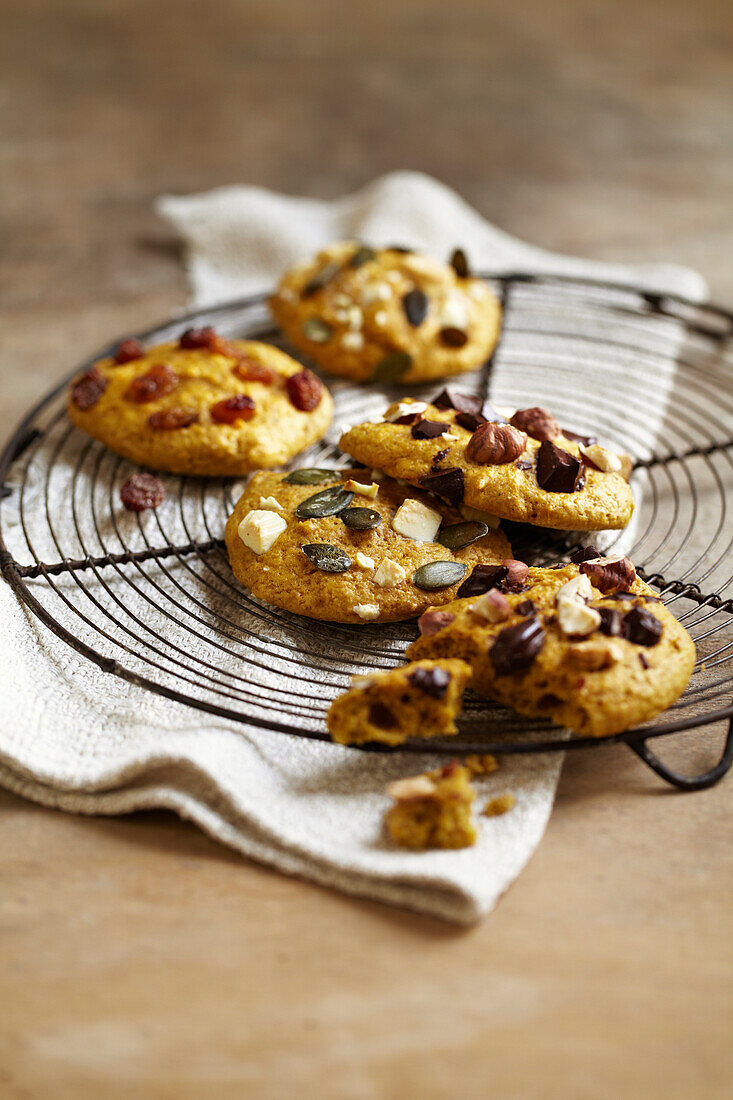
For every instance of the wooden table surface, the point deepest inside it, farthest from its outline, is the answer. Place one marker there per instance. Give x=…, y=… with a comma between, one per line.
x=137, y=958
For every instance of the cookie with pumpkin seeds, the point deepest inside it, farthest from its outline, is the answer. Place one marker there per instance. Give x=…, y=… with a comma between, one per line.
x=335, y=545
x=387, y=315
x=202, y=405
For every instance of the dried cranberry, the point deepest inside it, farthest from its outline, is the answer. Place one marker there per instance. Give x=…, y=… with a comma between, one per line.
x=142, y=491
x=166, y=420
x=249, y=370
x=88, y=389
x=157, y=382
x=231, y=409
x=128, y=350
x=304, y=390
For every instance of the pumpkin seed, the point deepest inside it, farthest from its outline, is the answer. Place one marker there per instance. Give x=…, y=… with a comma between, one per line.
x=459, y=263
x=462, y=534
x=320, y=332
x=329, y=502
x=310, y=475
x=362, y=255
x=439, y=574
x=326, y=557
x=415, y=305
x=361, y=519
x=392, y=367
x=320, y=279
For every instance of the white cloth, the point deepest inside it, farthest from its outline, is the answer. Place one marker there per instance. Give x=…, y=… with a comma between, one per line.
x=78, y=739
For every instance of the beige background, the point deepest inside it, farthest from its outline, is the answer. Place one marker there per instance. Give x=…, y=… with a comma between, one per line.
x=136, y=957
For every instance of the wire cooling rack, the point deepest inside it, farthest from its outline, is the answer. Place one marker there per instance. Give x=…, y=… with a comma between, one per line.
x=150, y=598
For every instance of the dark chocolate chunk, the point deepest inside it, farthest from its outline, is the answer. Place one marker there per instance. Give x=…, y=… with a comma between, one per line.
x=329, y=502
x=398, y=248
x=431, y=681
x=438, y=574
x=641, y=627
x=447, y=484
x=415, y=305
x=459, y=535
x=633, y=596
x=612, y=621
x=526, y=607
x=453, y=337
x=482, y=579
x=517, y=646
x=361, y=519
x=463, y=402
x=557, y=470
x=470, y=421
x=328, y=558
x=586, y=440
x=459, y=263
x=524, y=464
x=381, y=716
x=429, y=429
x=408, y=418
x=584, y=553
x=438, y=458
x=644, y=661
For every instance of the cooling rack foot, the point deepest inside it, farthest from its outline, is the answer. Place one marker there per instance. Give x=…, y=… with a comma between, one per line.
x=684, y=782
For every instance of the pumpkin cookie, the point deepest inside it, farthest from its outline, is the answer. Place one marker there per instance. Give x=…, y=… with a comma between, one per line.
x=433, y=810
x=587, y=645
x=203, y=405
x=417, y=700
x=387, y=315
x=525, y=469
x=334, y=545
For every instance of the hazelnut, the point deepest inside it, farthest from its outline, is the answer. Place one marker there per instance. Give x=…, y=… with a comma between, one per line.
x=516, y=576
x=495, y=444
x=537, y=422
x=576, y=618
x=595, y=655
x=434, y=620
x=492, y=606
x=415, y=787
x=610, y=574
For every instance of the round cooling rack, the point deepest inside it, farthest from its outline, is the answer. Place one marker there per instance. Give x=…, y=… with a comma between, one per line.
x=150, y=597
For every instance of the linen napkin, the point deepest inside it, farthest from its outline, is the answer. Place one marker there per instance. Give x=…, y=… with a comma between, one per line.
x=76, y=738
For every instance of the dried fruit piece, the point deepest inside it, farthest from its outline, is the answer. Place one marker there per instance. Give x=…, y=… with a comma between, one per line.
x=305, y=390
x=127, y=350
x=557, y=470
x=641, y=627
x=329, y=502
x=168, y=420
x=415, y=305
x=142, y=491
x=310, y=475
x=231, y=409
x=431, y=681
x=327, y=558
x=609, y=574
x=495, y=444
x=453, y=337
x=361, y=519
x=88, y=389
x=159, y=381
x=459, y=535
x=249, y=370
x=459, y=263
x=428, y=429
x=316, y=330
x=433, y=621
x=392, y=367
x=448, y=484
x=537, y=422
x=517, y=646
x=205, y=337
x=438, y=574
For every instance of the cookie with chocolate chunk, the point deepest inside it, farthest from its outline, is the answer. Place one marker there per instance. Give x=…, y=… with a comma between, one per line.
x=433, y=810
x=387, y=315
x=334, y=545
x=587, y=645
x=418, y=700
x=202, y=405
x=525, y=469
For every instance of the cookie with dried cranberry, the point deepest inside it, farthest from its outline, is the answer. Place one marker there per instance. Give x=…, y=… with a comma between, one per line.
x=336, y=545
x=202, y=405
x=419, y=700
x=525, y=469
x=387, y=315
x=587, y=645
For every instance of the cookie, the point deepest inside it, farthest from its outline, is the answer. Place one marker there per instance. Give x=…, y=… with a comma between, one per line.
x=387, y=315
x=526, y=469
x=418, y=700
x=586, y=645
x=334, y=545
x=433, y=810
x=202, y=405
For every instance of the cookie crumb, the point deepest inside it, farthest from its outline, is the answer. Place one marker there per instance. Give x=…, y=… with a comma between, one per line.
x=499, y=805
x=483, y=764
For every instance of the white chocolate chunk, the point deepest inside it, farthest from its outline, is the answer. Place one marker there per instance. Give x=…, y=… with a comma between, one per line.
x=380, y=318
x=389, y=574
x=361, y=488
x=454, y=313
x=366, y=610
x=271, y=505
x=260, y=529
x=355, y=318
x=415, y=520
x=377, y=475
x=376, y=292
x=577, y=589
x=406, y=407
x=287, y=294
x=363, y=560
x=577, y=618
x=603, y=459
x=353, y=341
x=342, y=301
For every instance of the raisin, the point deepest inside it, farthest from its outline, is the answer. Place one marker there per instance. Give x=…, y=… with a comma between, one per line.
x=231, y=409
x=200, y=338
x=142, y=491
x=167, y=419
x=249, y=370
x=304, y=390
x=127, y=351
x=157, y=382
x=88, y=389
